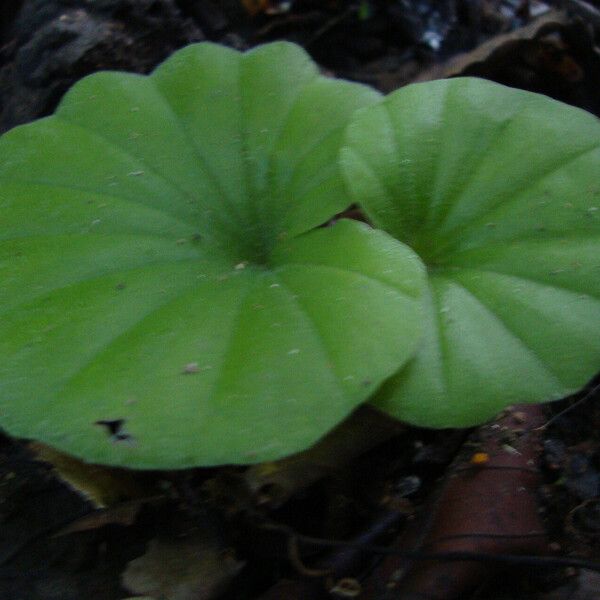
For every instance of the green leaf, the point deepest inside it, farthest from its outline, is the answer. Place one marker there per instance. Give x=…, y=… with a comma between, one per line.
x=498, y=191
x=167, y=297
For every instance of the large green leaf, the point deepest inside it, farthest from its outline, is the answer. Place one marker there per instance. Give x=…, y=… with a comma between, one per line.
x=167, y=297
x=498, y=191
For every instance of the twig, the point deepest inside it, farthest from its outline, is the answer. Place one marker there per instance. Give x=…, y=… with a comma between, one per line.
x=451, y=556
x=591, y=393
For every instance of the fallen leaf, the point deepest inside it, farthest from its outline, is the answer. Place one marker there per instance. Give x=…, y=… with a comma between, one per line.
x=498, y=44
x=273, y=483
x=124, y=514
x=102, y=486
x=198, y=567
x=487, y=508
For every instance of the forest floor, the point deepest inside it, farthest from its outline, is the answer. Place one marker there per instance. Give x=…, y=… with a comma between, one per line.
x=356, y=516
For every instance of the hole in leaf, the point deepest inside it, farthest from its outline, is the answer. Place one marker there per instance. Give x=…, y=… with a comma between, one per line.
x=116, y=431
x=113, y=426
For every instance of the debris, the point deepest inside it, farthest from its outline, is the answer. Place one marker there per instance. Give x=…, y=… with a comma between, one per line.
x=198, y=567
x=124, y=514
x=273, y=483
x=102, y=486
x=488, y=508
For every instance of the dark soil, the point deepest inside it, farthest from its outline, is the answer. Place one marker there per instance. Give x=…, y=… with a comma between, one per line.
x=47, y=45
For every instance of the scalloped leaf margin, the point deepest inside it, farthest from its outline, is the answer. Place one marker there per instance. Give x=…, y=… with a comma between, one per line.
x=498, y=191
x=168, y=296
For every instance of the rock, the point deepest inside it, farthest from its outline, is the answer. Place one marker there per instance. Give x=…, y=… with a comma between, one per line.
x=53, y=43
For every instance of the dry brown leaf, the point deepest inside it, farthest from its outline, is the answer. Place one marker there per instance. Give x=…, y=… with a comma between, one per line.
x=275, y=482
x=456, y=65
x=486, y=504
x=198, y=567
x=102, y=486
x=124, y=514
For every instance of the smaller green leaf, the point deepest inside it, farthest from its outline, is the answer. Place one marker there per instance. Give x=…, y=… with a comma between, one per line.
x=498, y=191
